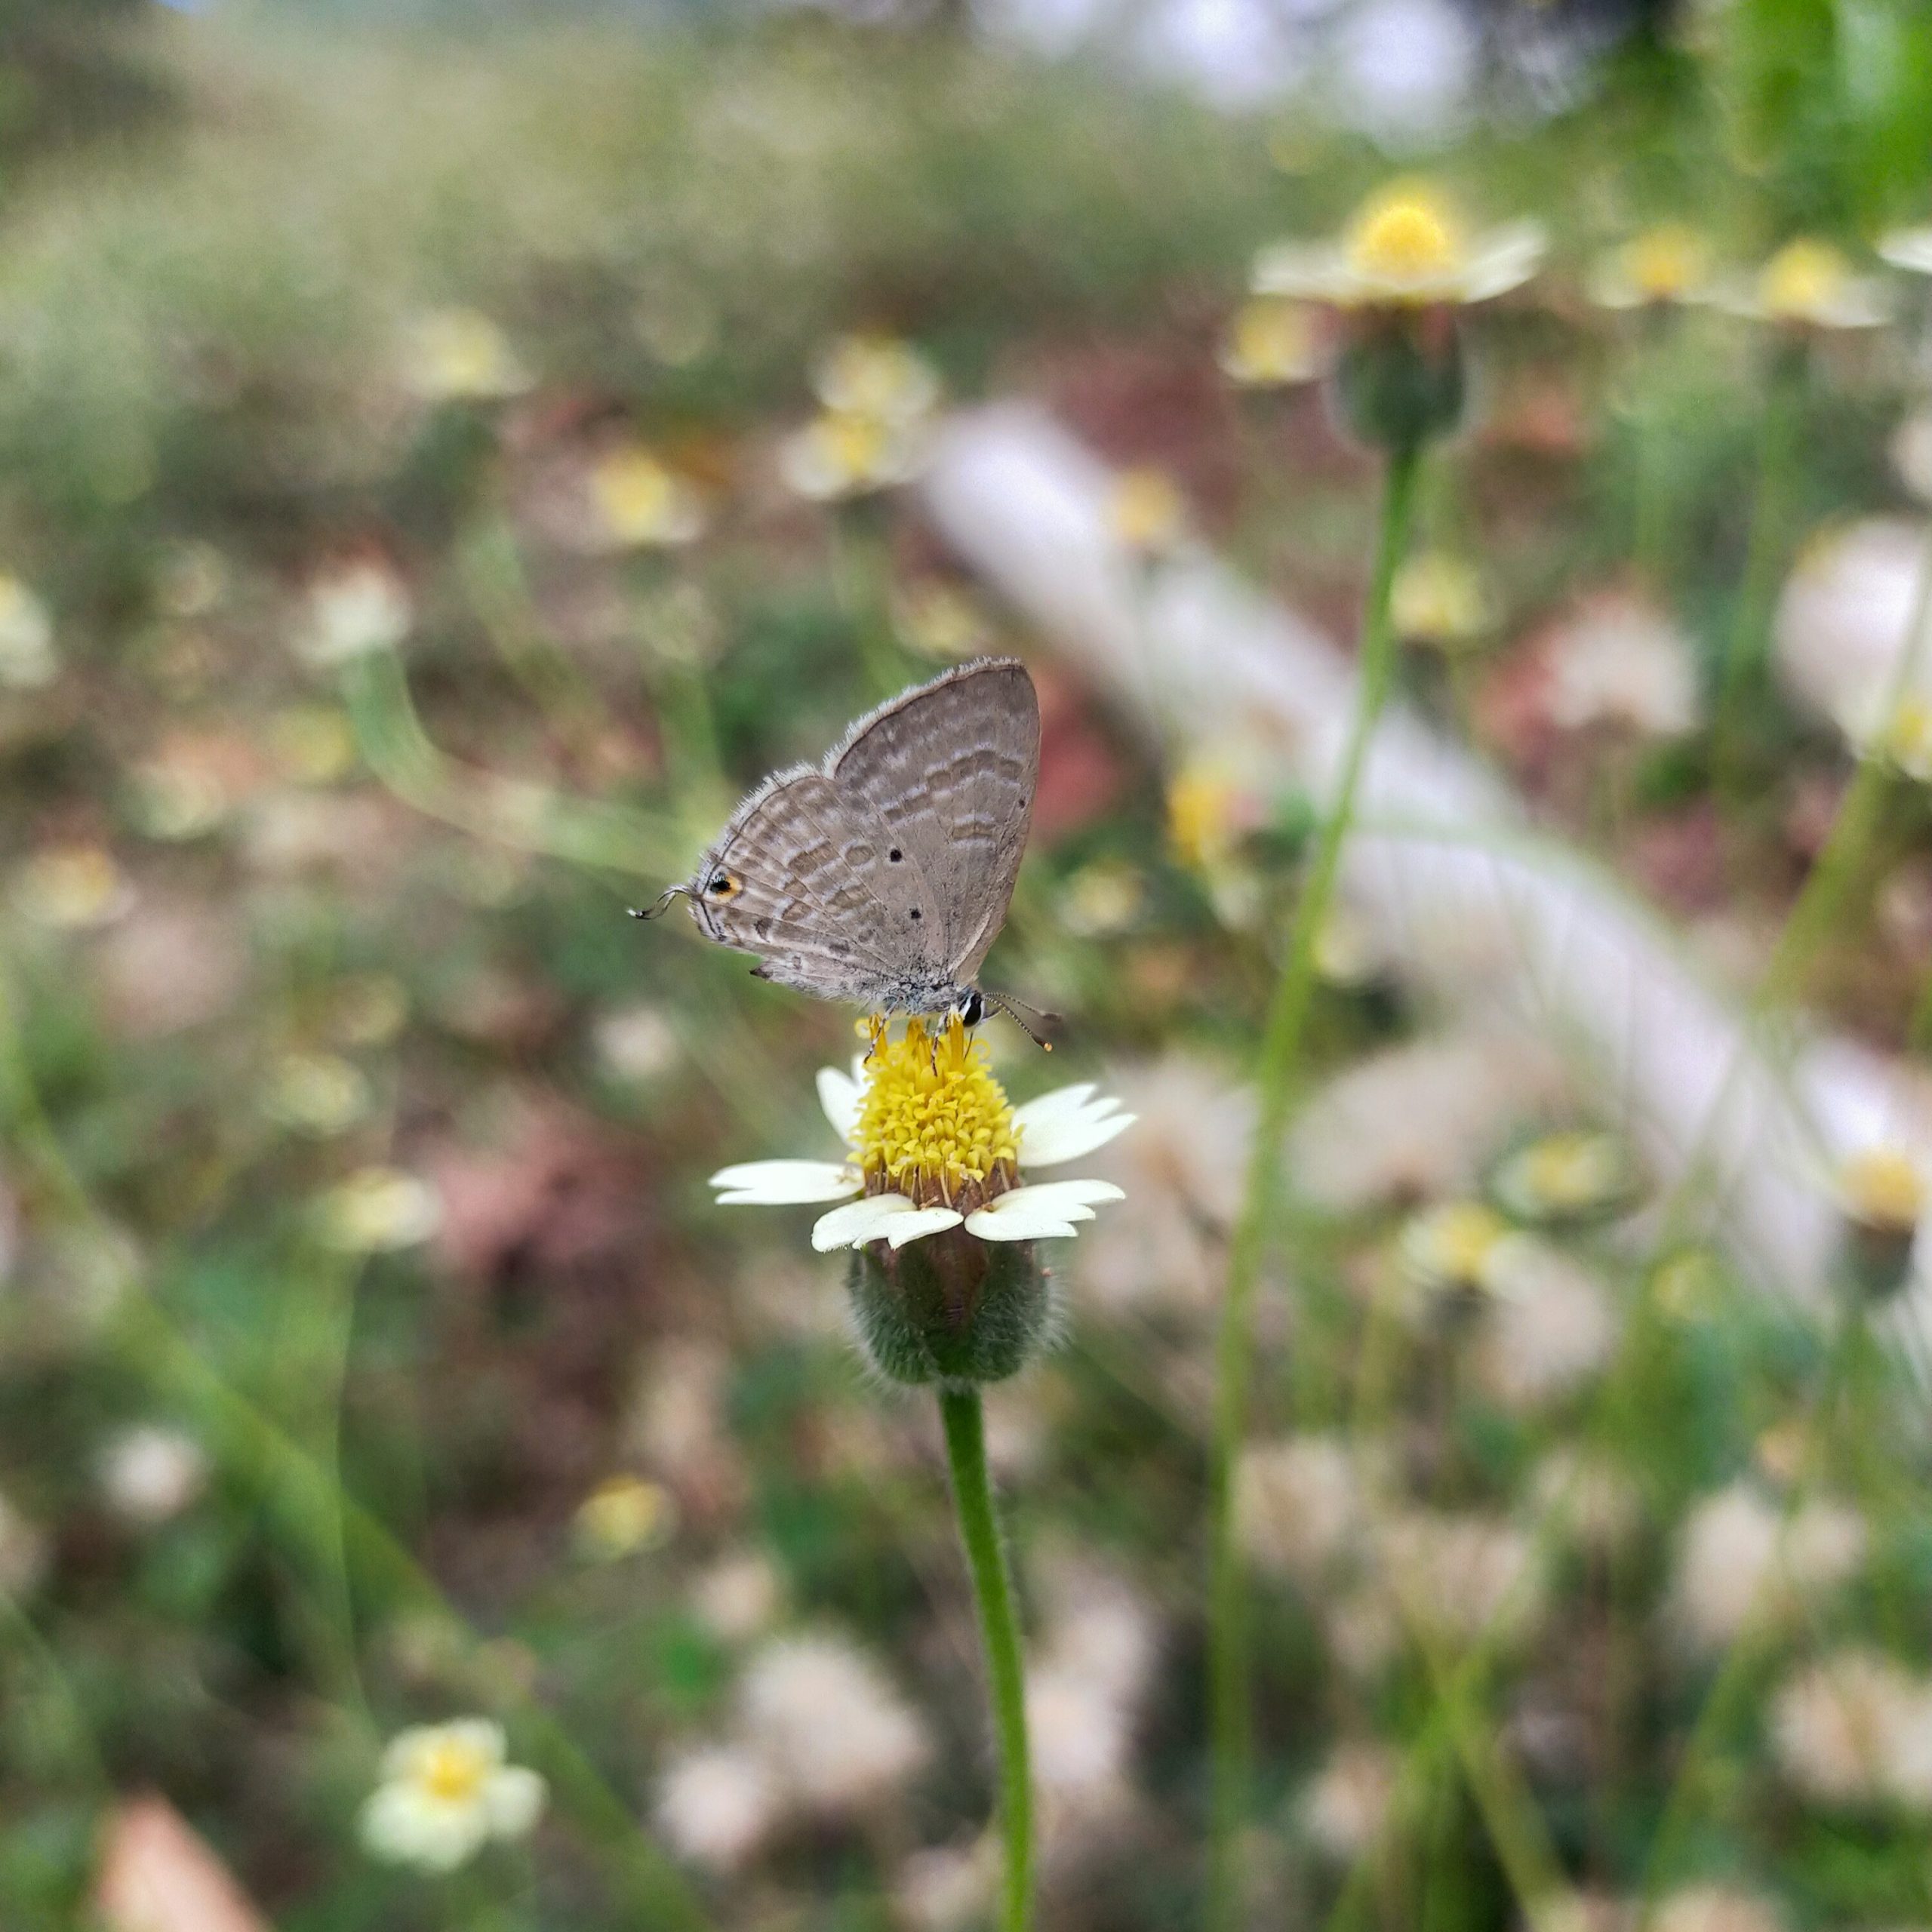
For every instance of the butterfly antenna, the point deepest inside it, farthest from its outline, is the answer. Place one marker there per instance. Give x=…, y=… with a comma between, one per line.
x=1014, y=1009
x=662, y=904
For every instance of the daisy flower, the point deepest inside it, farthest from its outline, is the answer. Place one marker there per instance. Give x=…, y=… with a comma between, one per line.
x=1406, y=247
x=1669, y=262
x=841, y=455
x=877, y=376
x=445, y=1792
x=1270, y=342
x=932, y=1144
x=460, y=355
x=1809, y=284
x=640, y=504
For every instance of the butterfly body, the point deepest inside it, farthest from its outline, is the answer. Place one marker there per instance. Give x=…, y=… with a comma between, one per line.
x=883, y=876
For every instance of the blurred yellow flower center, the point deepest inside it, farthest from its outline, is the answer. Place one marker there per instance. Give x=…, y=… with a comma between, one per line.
x=1665, y=262
x=1883, y=1187
x=1439, y=599
x=855, y=446
x=1906, y=738
x=1148, y=513
x=1203, y=818
x=933, y=1124
x=1571, y=1169
x=1270, y=340
x=1802, y=278
x=1453, y=1244
x=621, y=1516
x=1405, y=234
x=639, y=499
x=871, y=375
x=453, y=1773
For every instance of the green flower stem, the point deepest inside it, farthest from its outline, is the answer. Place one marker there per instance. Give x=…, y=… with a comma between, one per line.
x=1772, y=504
x=992, y=1590
x=1287, y=1018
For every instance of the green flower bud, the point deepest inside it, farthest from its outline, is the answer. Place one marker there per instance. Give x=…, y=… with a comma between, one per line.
x=1399, y=384
x=950, y=1309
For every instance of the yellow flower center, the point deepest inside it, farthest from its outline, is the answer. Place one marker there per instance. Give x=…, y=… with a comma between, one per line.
x=934, y=1124
x=1906, y=738
x=1452, y=1244
x=1147, y=511
x=855, y=446
x=1665, y=262
x=1802, y=280
x=1569, y=1170
x=639, y=499
x=1439, y=599
x=1883, y=1187
x=871, y=375
x=1405, y=236
x=1204, y=818
x=1270, y=341
x=453, y=1773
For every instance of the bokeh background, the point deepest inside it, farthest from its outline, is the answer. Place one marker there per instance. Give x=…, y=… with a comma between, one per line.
x=409, y=555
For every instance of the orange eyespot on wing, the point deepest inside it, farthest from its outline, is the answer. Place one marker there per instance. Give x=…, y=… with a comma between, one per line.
x=722, y=887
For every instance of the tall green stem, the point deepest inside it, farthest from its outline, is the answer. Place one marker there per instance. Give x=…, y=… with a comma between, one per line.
x=1287, y=1017
x=992, y=1590
x=1772, y=505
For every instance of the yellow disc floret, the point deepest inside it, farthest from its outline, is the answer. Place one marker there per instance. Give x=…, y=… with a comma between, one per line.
x=1405, y=238
x=1803, y=280
x=1883, y=1187
x=933, y=1124
x=453, y=1770
x=1664, y=264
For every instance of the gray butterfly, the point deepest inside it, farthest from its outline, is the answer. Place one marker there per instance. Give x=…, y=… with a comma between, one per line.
x=883, y=877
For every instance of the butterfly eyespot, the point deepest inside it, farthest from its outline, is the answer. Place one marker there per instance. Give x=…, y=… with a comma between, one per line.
x=914, y=914
x=895, y=855
x=722, y=886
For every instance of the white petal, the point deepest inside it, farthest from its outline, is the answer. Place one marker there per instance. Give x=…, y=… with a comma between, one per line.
x=1316, y=270
x=1502, y=260
x=859, y=1222
x=1051, y=1106
x=989, y=1227
x=775, y=1183
x=1070, y=1135
x=840, y=1095
x=1057, y=1195
x=514, y=1799
x=921, y=1222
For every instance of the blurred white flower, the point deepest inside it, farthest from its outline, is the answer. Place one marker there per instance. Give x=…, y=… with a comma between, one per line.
x=1298, y=1505
x=622, y=1516
x=1449, y=1247
x=1080, y=1731
x=72, y=888
x=317, y=1093
x=738, y=1596
x=1602, y=1507
x=27, y=656
x=1669, y=262
x=1911, y=453
x=445, y=1792
x=1181, y=1171
x=1843, y=621
x=1346, y=1804
x=948, y=1888
x=354, y=606
x=1146, y=511
x=876, y=376
x=1271, y=343
x=1738, y=1559
x=149, y=1475
x=1882, y=1188
x=1574, y=1175
x=836, y=457
x=640, y=504
x=377, y=1210
x=1716, y=1908
x=1549, y=1325
x=1464, y=1576
x=458, y=355
x=1418, y=1122
x=1809, y=284
x=716, y=1805
x=637, y=1044
x=1407, y=246
x=1844, y=1728
x=1442, y=600
x=1908, y=248
x=827, y=1725
x=1622, y=665
x=934, y=618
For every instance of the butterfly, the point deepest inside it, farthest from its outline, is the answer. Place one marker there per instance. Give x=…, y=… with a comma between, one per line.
x=883, y=876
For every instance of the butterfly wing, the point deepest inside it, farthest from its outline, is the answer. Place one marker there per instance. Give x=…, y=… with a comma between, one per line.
x=800, y=878
x=949, y=770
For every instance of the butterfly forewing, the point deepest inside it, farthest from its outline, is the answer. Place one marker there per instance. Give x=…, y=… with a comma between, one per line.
x=950, y=770
x=801, y=876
